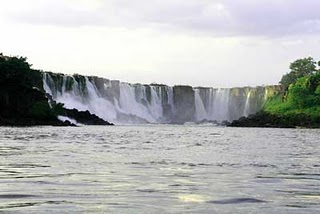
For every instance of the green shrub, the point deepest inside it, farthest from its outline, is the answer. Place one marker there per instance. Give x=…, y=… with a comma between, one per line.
x=302, y=97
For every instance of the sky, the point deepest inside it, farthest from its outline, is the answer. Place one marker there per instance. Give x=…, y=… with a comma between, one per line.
x=215, y=43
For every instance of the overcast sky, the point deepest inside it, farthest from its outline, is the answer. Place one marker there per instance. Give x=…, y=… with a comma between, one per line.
x=218, y=43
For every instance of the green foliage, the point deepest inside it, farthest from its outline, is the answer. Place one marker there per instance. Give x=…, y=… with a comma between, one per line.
x=298, y=68
x=315, y=81
x=302, y=97
x=303, y=67
x=58, y=109
x=17, y=69
x=317, y=91
x=303, y=92
x=41, y=111
x=277, y=105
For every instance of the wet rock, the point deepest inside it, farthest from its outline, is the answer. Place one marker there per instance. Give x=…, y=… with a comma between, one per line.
x=183, y=97
x=85, y=117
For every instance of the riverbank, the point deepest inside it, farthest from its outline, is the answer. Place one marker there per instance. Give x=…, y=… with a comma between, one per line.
x=267, y=120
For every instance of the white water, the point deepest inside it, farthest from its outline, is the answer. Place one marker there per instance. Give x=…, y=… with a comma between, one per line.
x=128, y=103
x=63, y=119
x=220, y=105
x=246, y=110
x=132, y=100
x=201, y=113
x=216, y=106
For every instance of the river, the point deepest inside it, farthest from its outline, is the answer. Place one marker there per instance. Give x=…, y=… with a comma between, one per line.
x=159, y=169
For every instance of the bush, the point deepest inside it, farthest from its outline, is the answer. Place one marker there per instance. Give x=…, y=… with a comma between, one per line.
x=302, y=97
x=41, y=111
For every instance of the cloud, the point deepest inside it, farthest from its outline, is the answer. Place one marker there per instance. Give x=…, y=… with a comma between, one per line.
x=215, y=17
x=64, y=13
x=276, y=17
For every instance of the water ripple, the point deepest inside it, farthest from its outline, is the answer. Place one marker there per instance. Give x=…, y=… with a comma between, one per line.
x=159, y=169
x=237, y=201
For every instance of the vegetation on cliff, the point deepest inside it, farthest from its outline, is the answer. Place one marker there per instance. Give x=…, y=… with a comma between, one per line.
x=23, y=101
x=298, y=105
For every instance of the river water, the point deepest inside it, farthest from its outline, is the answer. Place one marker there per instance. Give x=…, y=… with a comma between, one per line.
x=159, y=169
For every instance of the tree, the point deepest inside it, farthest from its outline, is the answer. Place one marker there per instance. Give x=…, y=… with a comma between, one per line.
x=14, y=68
x=299, y=68
x=17, y=69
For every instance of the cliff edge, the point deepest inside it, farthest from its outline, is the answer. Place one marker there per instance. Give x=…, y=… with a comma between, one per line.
x=23, y=101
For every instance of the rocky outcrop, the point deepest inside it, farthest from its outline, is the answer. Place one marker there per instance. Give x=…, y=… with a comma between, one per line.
x=267, y=120
x=184, y=103
x=85, y=117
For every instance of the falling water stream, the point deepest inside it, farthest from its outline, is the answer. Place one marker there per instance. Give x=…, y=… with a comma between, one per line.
x=120, y=102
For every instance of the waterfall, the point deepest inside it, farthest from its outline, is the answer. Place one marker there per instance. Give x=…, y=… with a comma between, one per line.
x=218, y=105
x=266, y=93
x=46, y=81
x=170, y=99
x=98, y=105
x=156, y=104
x=201, y=113
x=130, y=105
x=120, y=102
x=246, y=110
x=72, y=98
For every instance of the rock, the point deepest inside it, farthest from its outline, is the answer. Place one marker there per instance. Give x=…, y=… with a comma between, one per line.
x=85, y=117
x=183, y=97
x=265, y=119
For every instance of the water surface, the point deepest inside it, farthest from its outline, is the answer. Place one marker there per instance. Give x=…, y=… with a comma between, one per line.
x=159, y=169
